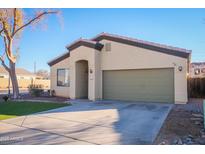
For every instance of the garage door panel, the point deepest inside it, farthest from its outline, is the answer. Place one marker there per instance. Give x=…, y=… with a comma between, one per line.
x=139, y=85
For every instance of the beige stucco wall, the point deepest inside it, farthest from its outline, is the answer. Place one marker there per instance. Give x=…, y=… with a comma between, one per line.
x=89, y=54
x=124, y=56
x=121, y=56
x=60, y=91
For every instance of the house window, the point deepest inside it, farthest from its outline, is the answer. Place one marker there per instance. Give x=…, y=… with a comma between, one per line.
x=107, y=46
x=197, y=71
x=63, y=77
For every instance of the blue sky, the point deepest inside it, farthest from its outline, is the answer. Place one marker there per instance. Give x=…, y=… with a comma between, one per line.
x=177, y=27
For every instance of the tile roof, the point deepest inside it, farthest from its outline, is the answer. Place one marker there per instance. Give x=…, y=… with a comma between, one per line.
x=58, y=58
x=94, y=43
x=144, y=44
x=85, y=42
x=72, y=46
x=198, y=63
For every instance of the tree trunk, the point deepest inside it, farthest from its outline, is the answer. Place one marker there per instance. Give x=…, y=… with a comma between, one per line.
x=14, y=80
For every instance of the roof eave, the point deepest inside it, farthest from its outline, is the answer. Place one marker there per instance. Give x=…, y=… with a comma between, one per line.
x=58, y=59
x=90, y=44
x=184, y=54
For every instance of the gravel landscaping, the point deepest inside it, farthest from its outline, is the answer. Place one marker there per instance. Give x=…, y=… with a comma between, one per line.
x=184, y=125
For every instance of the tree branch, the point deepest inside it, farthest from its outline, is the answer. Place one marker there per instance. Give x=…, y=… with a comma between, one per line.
x=3, y=64
x=6, y=31
x=34, y=19
x=8, y=43
x=5, y=43
x=1, y=31
x=15, y=20
x=8, y=52
x=1, y=57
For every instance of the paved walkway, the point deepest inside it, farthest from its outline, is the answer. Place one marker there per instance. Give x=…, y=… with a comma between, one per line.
x=88, y=123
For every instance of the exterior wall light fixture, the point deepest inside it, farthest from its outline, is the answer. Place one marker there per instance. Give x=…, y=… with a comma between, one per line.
x=180, y=68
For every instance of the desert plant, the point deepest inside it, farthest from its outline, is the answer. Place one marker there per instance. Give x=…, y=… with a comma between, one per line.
x=35, y=90
x=5, y=98
x=52, y=93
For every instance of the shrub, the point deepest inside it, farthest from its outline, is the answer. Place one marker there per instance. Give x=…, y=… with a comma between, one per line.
x=35, y=90
x=5, y=98
x=53, y=92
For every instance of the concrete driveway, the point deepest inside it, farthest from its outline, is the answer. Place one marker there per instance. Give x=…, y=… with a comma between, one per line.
x=86, y=122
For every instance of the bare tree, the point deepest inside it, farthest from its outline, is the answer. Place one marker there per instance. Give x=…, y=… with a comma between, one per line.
x=12, y=23
x=43, y=73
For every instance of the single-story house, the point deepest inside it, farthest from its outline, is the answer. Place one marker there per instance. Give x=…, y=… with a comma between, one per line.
x=114, y=67
x=21, y=73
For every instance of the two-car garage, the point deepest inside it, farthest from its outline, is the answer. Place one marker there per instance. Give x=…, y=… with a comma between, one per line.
x=152, y=85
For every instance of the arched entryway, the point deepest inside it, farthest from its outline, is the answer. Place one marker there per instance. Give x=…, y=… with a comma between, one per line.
x=82, y=79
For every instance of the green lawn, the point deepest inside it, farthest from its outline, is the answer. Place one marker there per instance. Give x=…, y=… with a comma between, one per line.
x=13, y=109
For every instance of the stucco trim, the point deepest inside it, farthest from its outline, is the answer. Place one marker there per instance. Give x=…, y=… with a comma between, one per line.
x=85, y=42
x=59, y=58
x=180, y=52
x=74, y=45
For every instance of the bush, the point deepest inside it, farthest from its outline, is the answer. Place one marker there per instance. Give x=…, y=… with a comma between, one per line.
x=35, y=90
x=53, y=92
x=5, y=98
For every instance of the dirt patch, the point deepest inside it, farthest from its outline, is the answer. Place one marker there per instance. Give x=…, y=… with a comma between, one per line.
x=46, y=98
x=182, y=126
x=25, y=97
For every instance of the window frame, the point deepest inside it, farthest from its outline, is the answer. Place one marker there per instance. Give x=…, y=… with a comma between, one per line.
x=60, y=69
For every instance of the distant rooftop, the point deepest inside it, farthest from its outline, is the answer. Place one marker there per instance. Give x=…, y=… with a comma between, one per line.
x=198, y=63
x=19, y=71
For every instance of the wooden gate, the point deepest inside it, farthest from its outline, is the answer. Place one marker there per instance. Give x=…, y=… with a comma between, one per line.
x=196, y=87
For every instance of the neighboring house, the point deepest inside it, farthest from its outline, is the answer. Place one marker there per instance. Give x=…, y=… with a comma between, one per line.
x=197, y=70
x=114, y=67
x=20, y=72
x=24, y=77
